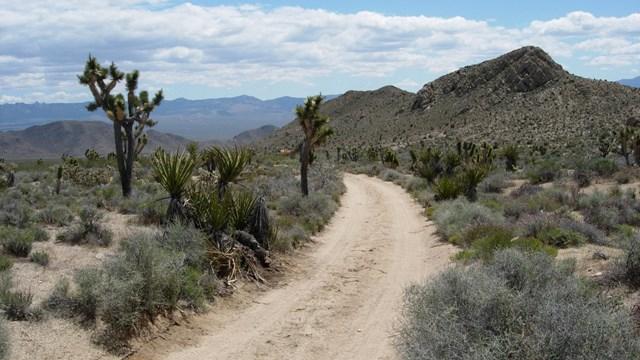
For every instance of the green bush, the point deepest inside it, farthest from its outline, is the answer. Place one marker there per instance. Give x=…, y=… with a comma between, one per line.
x=89, y=230
x=55, y=215
x=40, y=258
x=16, y=305
x=455, y=216
x=19, y=246
x=142, y=281
x=560, y=237
x=5, y=263
x=85, y=300
x=518, y=306
x=546, y=171
x=447, y=188
x=494, y=183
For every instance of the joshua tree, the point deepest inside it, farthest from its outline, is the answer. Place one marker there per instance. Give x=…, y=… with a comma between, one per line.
x=605, y=143
x=316, y=131
x=173, y=173
x=625, y=143
x=129, y=113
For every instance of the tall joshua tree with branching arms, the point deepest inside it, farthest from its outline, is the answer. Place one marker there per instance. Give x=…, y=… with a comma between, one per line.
x=129, y=114
x=316, y=131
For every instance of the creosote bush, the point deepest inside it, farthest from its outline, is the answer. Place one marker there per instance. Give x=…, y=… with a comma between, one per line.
x=454, y=217
x=40, y=258
x=482, y=312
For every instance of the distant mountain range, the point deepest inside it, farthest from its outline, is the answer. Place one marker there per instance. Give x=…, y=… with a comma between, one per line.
x=521, y=97
x=635, y=82
x=208, y=119
x=51, y=140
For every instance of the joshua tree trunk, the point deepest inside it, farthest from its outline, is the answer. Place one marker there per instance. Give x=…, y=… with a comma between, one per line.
x=304, y=166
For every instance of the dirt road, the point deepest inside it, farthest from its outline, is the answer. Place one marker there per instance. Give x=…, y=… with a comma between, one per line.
x=345, y=303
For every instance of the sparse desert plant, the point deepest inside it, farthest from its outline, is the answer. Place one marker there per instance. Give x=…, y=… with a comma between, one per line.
x=55, y=215
x=5, y=263
x=40, y=258
x=5, y=340
x=16, y=304
x=481, y=312
x=494, y=183
x=316, y=131
x=390, y=175
x=125, y=112
x=89, y=230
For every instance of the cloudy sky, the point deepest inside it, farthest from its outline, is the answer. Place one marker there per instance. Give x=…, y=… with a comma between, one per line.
x=206, y=49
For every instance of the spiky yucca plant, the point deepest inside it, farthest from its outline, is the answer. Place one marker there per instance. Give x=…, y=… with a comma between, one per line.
x=173, y=172
x=316, y=132
x=230, y=163
x=511, y=155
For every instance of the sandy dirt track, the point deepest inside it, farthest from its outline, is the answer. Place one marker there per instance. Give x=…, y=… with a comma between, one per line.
x=344, y=304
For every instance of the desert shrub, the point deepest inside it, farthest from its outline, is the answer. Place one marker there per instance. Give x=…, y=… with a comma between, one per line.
x=142, y=281
x=543, y=172
x=16, y=212
x=623, y=177
x=582, y=177
x=312, y=211
x=606, y=212
x=482, y=312
x=482, y=241
x=89, y=230
x=289, y=238
x=153, y=213
x=627, y=267
x=454, y=217
x=494, y=183
x=60, y=301
x=5, y=340
x=447, y=188
x=5, y=263
x=18, y=245
x=603, y=167
x=40, y=258
x=538, y=225
x=16, y=305
x=85, y=300
x=187, y=240
x=559, y=237
x=56, y=215
x=36, y=234
x=390, y=175
x=526, y=190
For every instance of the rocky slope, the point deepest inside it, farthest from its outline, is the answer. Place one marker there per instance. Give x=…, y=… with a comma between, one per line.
x=523, y=96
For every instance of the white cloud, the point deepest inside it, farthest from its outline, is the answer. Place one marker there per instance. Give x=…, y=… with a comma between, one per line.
x=43, y=43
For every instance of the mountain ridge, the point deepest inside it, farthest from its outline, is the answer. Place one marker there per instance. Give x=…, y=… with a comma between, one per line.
x=522, y=97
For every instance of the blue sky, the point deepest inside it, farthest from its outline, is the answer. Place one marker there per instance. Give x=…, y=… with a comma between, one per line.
x=274, y=48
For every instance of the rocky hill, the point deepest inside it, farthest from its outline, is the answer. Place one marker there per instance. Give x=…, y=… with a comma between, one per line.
x=523, y=96
x=251, y=136
x=52, y=140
